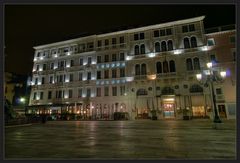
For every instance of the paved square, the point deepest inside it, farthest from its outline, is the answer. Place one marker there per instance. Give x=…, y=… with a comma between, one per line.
x=140, y=139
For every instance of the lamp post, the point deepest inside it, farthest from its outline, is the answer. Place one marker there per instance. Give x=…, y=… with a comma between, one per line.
x=154, y=111
x=210, y=78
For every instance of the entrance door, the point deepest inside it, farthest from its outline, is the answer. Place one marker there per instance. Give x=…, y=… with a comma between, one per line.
x=168, y=110
x=222, y=111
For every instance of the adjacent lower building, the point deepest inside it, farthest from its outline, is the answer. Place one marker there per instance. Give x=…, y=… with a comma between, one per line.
x=142, y=73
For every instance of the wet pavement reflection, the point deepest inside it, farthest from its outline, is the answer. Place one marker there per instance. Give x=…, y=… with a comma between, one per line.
x=140, y=139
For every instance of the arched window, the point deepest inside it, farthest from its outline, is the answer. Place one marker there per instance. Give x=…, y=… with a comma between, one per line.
x=172, y=66
x=157, y=47
x=163, y=46
x=143, y=69
x=193, y=42
x=165, y=67
x=137, y=69
x=189, y=64
x=142, y=49
x=196, y=64
x=186, y=43
x=170, y=45
x=136, y=49
x=159, y=67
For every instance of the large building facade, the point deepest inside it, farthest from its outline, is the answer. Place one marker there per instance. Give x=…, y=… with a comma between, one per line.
x=143, y=72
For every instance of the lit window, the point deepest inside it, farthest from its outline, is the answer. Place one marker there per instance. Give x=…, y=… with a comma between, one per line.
x=210, y=42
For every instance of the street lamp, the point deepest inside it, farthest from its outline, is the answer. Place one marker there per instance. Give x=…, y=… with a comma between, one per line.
x=208, y=78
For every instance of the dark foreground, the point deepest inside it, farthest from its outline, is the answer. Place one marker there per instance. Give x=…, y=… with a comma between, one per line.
x=140, y=139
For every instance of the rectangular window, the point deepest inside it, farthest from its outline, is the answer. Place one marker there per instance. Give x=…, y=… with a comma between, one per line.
x=210, y=42
x=114, y=57
x=71, y=77
x=106, y=58
x=88, y=92
x=37, y=69
x=89, y=76
x=122, y=72
x=98, y=74
x=81, y=61
x=65, y=49
x=38, y=54
x=114, y=41
x=99, y=43
x=35, y=95
x=41, y=95
x=43, y=80
x=121, y=57
x=82, y=48
x=51, y=80
x=106, y=44
x=191, y=27
x=60, y=78
x=36, y=81
x=121, y=39
x=114, y=73
x=49, y=94
x=141, y=36
x=44, y=66
x=71, y=63
x=99, y=59
x=106, y=74
x=89, y=60
x=90, y=46
x=106, y=91
x=80, y=75
x=169, y=31
x=184, y=28
x=162, y=32
x=234, y=55
x=156, y=33
x=136, y=37
x=114, y=91
x=98, y=92
x=80, y=92
x=218, y=91
x=122, y=90
x=70, y=93
x=52, y=66
x=232, y=39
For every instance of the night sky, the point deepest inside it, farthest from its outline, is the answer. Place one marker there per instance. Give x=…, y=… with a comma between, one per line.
x=32, y=25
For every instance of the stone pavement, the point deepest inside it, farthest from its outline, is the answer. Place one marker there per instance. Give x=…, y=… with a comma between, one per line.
x=140, y=139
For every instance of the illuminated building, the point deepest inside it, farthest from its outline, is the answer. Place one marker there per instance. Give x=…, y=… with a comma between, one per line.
x=144, y=71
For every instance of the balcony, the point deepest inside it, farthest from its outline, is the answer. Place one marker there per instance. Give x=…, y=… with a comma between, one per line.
x=140, y=77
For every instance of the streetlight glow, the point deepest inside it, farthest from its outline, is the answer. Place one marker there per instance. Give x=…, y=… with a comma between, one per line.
x=209, y=64
x=199, y=76
x=22, y=99
x=223, y=74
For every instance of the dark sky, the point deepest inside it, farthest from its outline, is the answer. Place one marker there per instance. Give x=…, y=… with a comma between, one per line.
x=30, y=25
